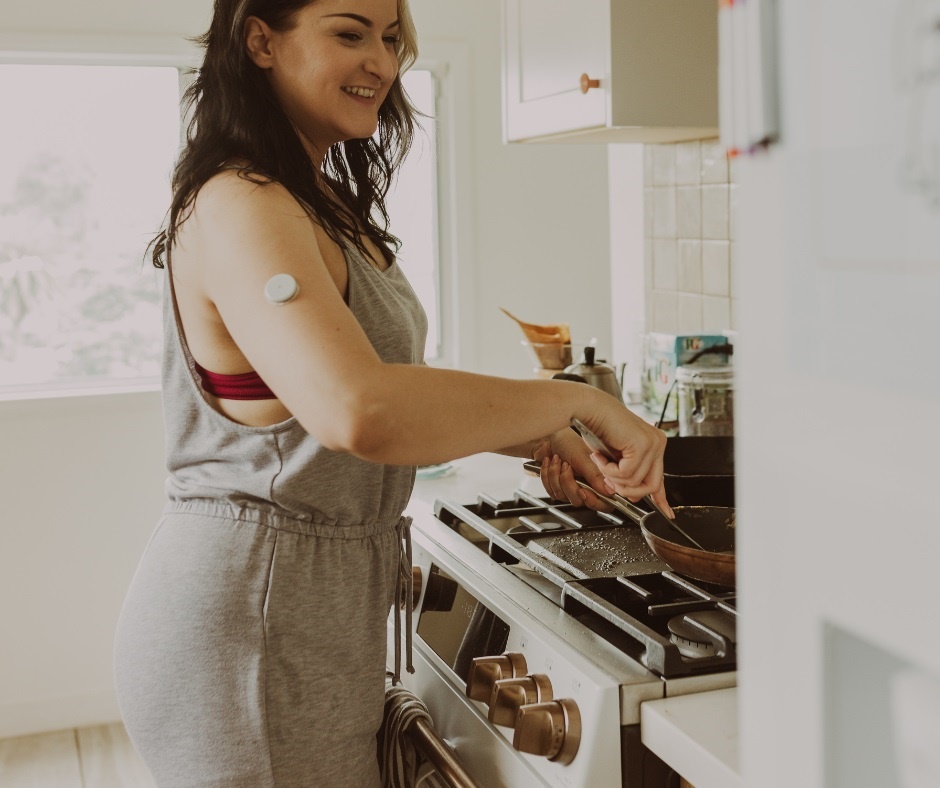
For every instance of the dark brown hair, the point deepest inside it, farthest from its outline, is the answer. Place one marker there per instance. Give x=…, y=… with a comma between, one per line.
x=236, y=118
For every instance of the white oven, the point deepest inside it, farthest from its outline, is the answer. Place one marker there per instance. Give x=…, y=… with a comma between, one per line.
x=531, y=674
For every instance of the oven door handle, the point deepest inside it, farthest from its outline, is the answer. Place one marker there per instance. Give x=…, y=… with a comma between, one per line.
x=440, y=755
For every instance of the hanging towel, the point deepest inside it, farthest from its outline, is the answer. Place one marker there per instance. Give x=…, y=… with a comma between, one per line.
x=401, y=764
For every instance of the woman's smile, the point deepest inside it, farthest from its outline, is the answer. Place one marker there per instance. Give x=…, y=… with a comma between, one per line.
x=365, y=95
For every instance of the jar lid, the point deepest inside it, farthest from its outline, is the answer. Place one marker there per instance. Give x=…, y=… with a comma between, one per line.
x=707, y=373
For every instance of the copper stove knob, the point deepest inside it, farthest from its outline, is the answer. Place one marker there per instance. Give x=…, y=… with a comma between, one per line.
x=486, y=671
x=509, y=694
x=587, y=83
x=550, y=729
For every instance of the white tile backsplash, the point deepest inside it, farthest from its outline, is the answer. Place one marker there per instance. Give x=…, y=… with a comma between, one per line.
x=665, y=264
x=689, y=163
x=664, y=317
x=690, y=266
x=716, y=268
x=733, y=192
x=664, y=212
x=689, y=212
x=733, y=269
x=690, y=259
x=664, y=165
x=714, y=163
x=688, y=313
x=715, y=224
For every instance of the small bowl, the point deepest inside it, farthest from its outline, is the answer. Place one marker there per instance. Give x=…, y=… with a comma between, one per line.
x=556, y=356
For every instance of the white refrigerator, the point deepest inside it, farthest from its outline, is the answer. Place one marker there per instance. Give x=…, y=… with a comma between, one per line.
x=838, y=402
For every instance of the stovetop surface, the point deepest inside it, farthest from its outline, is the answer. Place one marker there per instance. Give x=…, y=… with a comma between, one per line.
x=599, y=569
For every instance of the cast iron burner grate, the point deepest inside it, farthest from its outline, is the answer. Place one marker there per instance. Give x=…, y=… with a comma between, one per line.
x=631, y=611
x=634, y=613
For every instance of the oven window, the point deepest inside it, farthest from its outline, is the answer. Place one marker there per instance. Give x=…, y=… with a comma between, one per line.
x=456, y=625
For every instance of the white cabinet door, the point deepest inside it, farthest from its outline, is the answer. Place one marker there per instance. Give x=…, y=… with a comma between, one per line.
x=655, y=63
x=548, y=46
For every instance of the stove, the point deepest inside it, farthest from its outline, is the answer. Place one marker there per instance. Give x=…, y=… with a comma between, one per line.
x=541, y=628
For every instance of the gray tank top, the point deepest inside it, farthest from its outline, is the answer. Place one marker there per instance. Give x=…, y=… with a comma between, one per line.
x=282, y=468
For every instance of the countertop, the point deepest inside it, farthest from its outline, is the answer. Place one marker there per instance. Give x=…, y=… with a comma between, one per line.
x=697, y=735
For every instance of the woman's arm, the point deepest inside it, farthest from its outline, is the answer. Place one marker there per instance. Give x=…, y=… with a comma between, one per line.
x=317, y=359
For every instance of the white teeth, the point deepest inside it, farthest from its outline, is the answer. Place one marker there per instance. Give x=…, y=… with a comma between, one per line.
x=364, y=92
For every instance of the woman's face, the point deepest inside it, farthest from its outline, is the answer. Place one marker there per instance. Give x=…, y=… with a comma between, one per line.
x=333, y=69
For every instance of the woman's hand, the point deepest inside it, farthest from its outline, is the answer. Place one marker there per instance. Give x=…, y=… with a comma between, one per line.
x=563, y=456
x=639, y=470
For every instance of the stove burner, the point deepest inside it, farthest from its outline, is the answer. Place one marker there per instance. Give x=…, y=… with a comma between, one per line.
x=695, y=642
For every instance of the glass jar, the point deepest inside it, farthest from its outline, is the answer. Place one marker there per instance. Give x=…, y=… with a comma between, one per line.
x=706, y=399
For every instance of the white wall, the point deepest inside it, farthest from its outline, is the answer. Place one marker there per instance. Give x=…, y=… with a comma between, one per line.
x=81, y=478
x=538, y=243
x=81, y=482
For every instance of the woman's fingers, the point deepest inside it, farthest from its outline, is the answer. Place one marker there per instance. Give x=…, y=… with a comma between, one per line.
x=558, y=479
x=634, y=476
x=659, y=498
x=551, y=477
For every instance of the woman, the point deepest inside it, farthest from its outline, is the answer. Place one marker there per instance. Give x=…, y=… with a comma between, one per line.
x=251, y=647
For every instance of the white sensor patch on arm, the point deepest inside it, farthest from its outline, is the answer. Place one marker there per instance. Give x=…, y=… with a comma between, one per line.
x=281, y=288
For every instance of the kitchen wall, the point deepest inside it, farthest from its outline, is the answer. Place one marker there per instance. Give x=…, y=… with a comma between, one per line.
x=690, y=203
x=81, y=478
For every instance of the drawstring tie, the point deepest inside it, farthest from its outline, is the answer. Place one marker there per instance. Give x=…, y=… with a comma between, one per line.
x=405, y=584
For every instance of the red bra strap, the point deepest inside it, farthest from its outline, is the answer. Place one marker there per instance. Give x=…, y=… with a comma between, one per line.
x=245, y=386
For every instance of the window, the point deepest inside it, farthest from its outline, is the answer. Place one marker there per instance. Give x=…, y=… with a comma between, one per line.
x=86, y=154
x=412, y=206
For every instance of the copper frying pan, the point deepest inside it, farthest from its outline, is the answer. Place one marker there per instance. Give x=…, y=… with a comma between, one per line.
x=712, y=527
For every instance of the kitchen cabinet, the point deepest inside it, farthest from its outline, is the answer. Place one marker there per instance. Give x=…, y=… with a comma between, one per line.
x=610, y=70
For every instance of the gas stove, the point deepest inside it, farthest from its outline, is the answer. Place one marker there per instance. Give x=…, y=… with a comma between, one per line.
x=539, y=630
x=598, y=568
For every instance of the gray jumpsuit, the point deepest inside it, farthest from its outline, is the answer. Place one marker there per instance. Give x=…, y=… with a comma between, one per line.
x=251, y=647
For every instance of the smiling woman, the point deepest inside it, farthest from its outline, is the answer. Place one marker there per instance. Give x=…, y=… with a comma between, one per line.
x=251, y=649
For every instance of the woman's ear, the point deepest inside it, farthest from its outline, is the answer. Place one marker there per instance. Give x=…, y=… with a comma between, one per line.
x=258, y=42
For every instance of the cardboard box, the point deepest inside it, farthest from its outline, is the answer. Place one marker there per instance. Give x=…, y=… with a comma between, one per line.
x=664, y=354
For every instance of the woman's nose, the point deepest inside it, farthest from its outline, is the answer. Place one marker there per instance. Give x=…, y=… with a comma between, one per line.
x=383, y=63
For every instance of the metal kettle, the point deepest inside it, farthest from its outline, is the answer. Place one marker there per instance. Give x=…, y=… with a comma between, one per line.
x=594, y=373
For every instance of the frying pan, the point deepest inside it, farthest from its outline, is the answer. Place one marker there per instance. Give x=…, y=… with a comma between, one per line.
x=699, y=471
x=711, y=526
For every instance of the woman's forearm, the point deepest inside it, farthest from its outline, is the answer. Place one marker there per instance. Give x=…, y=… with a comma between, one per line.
x=415, y=415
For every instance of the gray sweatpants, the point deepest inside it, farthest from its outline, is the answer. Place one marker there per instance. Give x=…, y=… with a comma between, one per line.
x=251, y=649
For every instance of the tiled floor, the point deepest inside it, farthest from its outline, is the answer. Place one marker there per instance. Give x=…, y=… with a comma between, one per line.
x=98, y=757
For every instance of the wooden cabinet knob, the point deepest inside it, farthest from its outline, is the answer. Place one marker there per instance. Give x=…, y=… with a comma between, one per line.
x=587, y=83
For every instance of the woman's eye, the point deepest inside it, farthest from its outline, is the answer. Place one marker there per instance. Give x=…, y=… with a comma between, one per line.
x=350, y=36
x=393, y=40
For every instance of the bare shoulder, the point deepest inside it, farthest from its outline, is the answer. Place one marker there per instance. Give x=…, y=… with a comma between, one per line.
x=239, y=221
x=233, y=193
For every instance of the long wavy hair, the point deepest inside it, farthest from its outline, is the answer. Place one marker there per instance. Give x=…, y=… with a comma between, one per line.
x=235, y=118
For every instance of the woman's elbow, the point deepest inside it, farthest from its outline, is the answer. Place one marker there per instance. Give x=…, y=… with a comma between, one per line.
x=360, y=427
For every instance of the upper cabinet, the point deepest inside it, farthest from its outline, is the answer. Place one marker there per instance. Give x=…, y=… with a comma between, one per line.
x=610, y=70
